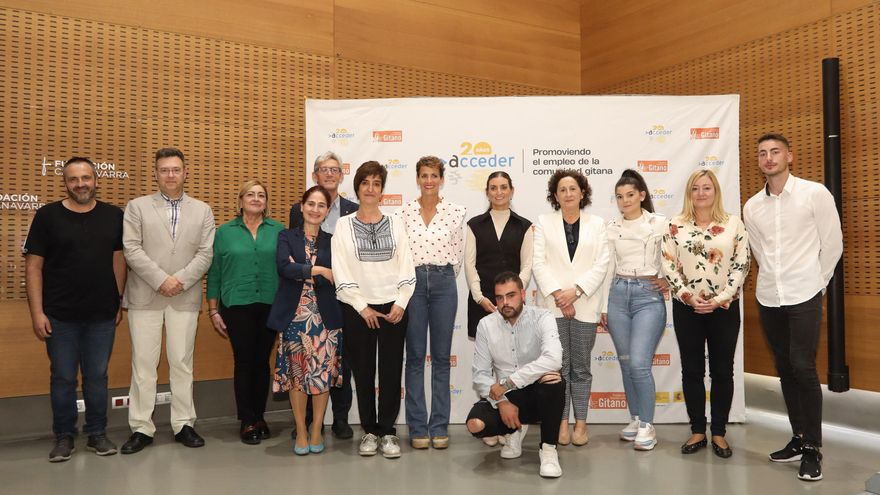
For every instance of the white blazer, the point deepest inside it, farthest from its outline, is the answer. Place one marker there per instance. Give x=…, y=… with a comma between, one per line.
x=554, y=270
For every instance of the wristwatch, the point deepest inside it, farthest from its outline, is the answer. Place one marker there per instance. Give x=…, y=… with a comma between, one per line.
x=577, y=291
x=508, y=385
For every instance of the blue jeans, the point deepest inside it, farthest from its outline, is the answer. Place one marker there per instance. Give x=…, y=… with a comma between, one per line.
x=636, y=319
x=433, y=304
x=87, y=346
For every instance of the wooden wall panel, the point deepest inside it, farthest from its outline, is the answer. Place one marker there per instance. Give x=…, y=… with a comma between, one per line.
x=116, y=94
x=422, y=36
x=301, y=25
x=779, y=80
x=626, y=39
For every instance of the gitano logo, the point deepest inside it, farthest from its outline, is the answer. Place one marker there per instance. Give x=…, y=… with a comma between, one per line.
x=479, y=155
x=705, y=132
x=341, y=136
x=20, y=201
x=103, y=169
x=658, y=133
x=661, y=360
x=653, y=165
x=608, y=400
x=391, y=200
x=387, y=136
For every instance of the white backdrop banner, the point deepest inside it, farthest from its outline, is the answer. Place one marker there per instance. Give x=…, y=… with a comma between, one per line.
x=664, y=137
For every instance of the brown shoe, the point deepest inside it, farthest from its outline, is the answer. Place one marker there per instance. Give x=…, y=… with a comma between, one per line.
x=580, y=436
x=564, y=435
x=440, y=443
x=420, y=443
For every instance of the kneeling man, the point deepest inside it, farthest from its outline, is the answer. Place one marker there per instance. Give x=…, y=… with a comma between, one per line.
x=517, y=358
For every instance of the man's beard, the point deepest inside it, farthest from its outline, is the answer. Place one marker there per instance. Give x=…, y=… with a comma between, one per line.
x=515, y=312
x=82, y=198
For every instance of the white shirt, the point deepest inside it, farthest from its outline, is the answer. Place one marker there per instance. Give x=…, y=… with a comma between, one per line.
x=499, y=221
x=523, y=352
x=797, y=241
x=439, y=243
x=634, y=248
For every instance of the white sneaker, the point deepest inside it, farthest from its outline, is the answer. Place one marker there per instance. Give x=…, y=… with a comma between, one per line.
x=491, y=441
x=513, y=443
x=629, y=433
x=390, y=446
x=369, y=444
x=550, y=467
x=646, y=438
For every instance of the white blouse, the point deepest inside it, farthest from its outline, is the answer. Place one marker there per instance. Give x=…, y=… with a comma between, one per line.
x=439, y=243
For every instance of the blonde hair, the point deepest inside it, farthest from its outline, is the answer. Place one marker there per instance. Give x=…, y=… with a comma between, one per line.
x=247, y=187
x=687, y=210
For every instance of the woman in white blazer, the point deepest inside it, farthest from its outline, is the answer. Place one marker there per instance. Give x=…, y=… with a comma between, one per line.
x=570, y=263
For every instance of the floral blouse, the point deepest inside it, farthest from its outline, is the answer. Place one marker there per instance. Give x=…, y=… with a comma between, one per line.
x=711, y=262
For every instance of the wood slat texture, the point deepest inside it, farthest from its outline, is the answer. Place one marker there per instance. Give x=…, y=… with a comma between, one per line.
x=422, y=36
x=300, y=25
x=116, y=94
x=779, y=79
x=630, y=38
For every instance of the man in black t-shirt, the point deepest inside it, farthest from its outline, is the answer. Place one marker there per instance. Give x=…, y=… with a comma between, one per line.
x=75, y=274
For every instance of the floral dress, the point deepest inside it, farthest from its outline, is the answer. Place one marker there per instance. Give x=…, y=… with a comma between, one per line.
x=309, y=356
x=711, y=263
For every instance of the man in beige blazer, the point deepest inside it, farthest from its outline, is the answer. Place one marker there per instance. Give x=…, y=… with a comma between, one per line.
x=168, y=242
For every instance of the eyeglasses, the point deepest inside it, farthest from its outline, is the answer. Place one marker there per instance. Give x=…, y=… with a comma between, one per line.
x=330, y=170
x=170, y=171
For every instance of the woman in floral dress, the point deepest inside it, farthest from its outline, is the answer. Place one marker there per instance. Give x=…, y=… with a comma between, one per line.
x=706, y=260
x=309, y=319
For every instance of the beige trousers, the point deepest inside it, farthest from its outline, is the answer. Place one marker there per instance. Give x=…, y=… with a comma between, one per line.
x=145, y=327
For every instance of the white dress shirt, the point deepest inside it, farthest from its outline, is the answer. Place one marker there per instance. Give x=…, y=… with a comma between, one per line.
x=523, y=352
x=796, y=239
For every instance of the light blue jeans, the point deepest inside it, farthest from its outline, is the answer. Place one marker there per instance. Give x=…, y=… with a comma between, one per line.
x=636, y=319
x=433, y=305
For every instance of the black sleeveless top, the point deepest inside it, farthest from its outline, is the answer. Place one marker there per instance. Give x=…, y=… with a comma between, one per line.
x=494, y=256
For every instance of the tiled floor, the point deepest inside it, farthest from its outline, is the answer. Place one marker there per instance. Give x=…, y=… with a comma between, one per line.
x=605, y=466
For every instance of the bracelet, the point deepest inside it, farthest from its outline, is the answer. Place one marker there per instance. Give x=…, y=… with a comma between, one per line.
x=211, y=313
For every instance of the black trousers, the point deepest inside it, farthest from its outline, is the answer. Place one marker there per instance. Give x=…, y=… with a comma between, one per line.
x=252, y=344
x=718, y=332
x=793, y=334
x=365, y=346
x=538, y=403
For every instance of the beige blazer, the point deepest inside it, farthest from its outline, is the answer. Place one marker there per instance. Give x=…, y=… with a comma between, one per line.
x=152, y=254
x=554, y=270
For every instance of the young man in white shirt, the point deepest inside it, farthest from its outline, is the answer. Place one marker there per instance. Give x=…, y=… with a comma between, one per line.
x=795, y=235
x=517, y=358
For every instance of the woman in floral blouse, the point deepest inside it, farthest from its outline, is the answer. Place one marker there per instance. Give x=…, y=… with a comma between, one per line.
x=706, y=260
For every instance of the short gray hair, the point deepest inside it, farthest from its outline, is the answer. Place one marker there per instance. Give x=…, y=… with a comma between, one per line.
x=323, y=157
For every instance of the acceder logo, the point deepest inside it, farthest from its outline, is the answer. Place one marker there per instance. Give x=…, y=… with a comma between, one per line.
x=658, y=133
x=705, y=132
x=661, y=198
x=341, y=136
x=479, y=155
x=387, y=136
x=712, y=162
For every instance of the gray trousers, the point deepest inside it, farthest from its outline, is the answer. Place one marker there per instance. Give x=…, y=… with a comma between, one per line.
x=577, y=339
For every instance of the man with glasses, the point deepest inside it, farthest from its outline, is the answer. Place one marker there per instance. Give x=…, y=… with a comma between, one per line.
x=327, y=173
x=168, y=240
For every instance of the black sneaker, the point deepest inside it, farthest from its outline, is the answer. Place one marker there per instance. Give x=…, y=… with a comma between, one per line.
x=101, y=445
x=791, y=452
x=62, y=450
x=811, y=464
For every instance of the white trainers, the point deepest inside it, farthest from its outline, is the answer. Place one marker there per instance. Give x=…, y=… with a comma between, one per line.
x=390, y=446
x=632, y=429
x=491, y=441
x=513, y=443
x=550, y=467
x=369, y=444
x=646, y=438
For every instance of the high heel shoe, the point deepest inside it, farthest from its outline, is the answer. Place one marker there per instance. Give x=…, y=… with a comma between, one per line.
x=691, y=448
